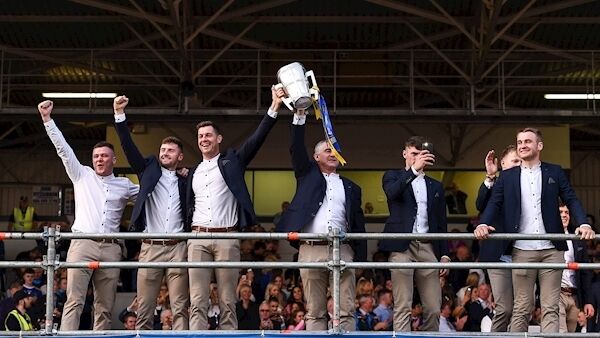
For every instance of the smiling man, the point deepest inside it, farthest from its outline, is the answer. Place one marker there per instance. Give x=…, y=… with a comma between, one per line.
x=218, y=201
x=100, y=199
x=160, y=208
x=528, y=195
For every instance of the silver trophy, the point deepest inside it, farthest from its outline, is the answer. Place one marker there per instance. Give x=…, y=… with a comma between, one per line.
x=294, y=79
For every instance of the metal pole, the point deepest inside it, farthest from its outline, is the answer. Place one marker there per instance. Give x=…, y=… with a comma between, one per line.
x=258, y=82
x=336, y=267
x=411, y=77
x=49, y=263
x=334, y=81
x=1, y=77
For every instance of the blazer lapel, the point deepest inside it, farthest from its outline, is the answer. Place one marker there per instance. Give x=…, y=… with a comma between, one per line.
x=348, y=193
x=517, y=183
x=430, y=194
x=545, y=178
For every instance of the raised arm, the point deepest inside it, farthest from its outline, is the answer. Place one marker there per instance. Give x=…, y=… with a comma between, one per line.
x=72, y=165
x=395, y=182
x=248, y=150
x=134, y=157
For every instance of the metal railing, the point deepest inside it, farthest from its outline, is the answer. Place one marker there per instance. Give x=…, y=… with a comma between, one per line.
x=51, y=261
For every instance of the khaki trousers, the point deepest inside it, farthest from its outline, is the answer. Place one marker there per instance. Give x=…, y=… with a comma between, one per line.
x=523, y=284
x=150, y=280
x=209, y=250
x=316, y=281
x=502, y=289
x=103, y=280
x=428, y=285
x=568, y=312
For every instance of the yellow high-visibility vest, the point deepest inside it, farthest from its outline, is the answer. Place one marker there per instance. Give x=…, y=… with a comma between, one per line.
x=24, y=320
x=23, y=222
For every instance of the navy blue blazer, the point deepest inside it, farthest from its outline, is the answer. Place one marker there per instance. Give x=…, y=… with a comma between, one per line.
x=491, y=250
x=232, y=164
x=310, y=192
x=149, y=172
x=403, y=210
x=507, y=194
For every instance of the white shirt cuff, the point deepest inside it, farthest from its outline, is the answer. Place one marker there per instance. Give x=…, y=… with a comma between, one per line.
x=299, y=120
x=120, y=118
x=272, y=113
x=489, y=184
x=585, y=225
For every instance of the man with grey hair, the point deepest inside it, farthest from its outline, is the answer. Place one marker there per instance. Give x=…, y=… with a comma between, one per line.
x=323, y=200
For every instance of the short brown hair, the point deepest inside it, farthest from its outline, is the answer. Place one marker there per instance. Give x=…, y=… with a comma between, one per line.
x=536, y=131
x=104, y=144
x=209, y=124
x=173, y=140
x=509, y=149
x=415, y=141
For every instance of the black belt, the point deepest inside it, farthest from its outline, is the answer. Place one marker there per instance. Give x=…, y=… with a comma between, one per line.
x=568, y=290
x=105, y=240
x=197, y=228
x=168, y=242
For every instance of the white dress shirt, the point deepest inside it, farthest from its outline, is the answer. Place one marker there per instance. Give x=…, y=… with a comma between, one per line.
x=99, y=200
x=332, y=212
x=568, y=276
x=163, y=206
x=531, y=209
x=419, y=186
x=215, y=205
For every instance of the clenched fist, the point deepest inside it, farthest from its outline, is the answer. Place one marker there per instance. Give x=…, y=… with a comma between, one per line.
x=120, y=103
x=45, y=109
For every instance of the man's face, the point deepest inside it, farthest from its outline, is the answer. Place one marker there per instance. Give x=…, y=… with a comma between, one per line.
x=130, y=323
x=386, y=299
x=367, y=304
x=264, y=311
x=273, y=306
x=528, y=146
x=209, y=140
x=170, y=155
x=410, y=154
x=28, y=278
x=564, y=216
x=510, y=160
x=446, y=311
x=103, y=159
x=325, y=158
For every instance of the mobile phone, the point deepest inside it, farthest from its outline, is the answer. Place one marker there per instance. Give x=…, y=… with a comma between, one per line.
x=427, y=146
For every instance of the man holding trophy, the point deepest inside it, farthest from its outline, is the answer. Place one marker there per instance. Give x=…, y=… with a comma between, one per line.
x=323, y=200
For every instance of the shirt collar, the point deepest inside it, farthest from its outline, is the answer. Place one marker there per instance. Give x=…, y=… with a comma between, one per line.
x=167, y=172
x=534, y=167
x=212, y=159
x=334, y=175
x=107, y=178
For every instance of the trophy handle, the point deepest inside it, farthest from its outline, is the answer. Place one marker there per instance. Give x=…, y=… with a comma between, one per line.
x=310, y=75
x=286, y=99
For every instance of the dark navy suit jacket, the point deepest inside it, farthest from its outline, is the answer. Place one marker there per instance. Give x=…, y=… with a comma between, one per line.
x=403, y=210
x=310, y=192
x=583, y=278
x=507, y=194
x=232, y=164
x=149, y=172
x=491, y=250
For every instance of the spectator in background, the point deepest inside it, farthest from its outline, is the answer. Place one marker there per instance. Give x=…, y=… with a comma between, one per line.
x=28, y=286
x=18, y=319
x=479, y=307
x=296, y=321
x=277, y=216
x=366, y=319
x=8, y=303
x=247, y=311
x=264, y=311
x=166, y=319
x=129, y=320
x=446, y=318
x=384, y=310
x=23, y=218
x=369, y=208
x=276, y=317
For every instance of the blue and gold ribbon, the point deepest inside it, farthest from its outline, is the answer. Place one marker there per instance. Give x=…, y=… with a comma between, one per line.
x=322, y=113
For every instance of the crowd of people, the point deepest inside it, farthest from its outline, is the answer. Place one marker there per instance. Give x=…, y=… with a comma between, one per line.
x=523, y=195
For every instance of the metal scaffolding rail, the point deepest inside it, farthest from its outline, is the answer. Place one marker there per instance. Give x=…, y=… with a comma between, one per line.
x=51, y=263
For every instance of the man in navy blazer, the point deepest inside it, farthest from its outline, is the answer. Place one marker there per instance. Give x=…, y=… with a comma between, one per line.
x=323, y=200
x=417, y=205
x=159, y=208
x=575, y=285
x=529, y=195
x=218, y=201
x=498, y=250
